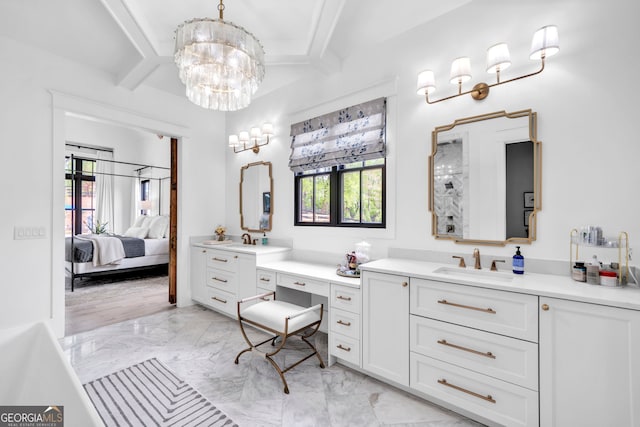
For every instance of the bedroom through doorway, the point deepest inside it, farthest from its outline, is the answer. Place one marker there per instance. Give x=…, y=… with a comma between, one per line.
x=120, y=227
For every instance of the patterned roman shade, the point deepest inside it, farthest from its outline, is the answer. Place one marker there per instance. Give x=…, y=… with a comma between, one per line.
x=345, y=136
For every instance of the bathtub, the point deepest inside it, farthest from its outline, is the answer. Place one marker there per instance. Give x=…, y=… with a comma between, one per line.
x=35, y=372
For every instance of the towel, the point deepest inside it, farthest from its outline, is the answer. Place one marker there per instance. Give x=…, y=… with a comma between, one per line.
x=106, y=249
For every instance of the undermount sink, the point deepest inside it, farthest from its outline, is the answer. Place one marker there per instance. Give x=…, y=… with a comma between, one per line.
x=468, y=273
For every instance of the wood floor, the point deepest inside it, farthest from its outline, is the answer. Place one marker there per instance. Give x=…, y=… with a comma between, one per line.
x=96, y=303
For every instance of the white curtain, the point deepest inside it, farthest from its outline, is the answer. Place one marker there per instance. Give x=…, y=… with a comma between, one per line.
x=105, y=211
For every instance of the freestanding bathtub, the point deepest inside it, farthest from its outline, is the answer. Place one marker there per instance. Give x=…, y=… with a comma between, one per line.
x=35, y=372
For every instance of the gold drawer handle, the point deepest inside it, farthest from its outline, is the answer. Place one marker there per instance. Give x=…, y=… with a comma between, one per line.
x=265, y=280
x=204, y=251
x=220, y=259
x=487, y=354
x=340, y=322
x=220, y=280
x=343, y=298
x=219, y=299
x=299, y=283
x=343, y=348
x=484, y=310
x=405, y=284
x=545, y=307
x=488, y=397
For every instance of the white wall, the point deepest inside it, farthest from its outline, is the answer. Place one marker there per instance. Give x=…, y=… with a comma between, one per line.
x=32, y=282
x=586, y=121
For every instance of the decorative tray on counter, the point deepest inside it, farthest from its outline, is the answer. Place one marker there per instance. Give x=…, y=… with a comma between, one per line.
x=348, y=273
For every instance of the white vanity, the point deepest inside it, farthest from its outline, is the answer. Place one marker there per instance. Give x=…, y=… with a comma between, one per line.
x=504, y=349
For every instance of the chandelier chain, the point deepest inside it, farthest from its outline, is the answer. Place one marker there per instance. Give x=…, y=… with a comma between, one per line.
x=221, y=9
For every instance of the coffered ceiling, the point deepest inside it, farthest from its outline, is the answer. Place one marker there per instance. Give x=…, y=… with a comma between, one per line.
x=132, y=40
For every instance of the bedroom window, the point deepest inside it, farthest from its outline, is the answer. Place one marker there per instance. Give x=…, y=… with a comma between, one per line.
x=145, y=196
x=79, y=195
x=338, y=161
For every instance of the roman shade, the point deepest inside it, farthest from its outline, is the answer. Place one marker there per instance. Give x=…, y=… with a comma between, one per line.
x=353, y=134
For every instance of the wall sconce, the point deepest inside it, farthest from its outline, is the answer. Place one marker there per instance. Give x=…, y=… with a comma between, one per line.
x=543, y=45
x=251, y=140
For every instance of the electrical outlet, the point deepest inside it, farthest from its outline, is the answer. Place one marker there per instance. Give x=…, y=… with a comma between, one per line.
x=24, y=233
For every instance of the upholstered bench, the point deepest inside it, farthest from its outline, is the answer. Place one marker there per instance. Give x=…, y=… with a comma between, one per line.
x=282, y=320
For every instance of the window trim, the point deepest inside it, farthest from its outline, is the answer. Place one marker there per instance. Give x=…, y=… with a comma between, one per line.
x=336, y=199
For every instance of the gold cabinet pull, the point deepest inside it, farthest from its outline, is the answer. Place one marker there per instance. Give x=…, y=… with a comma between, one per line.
x=405, y=284
x=340, y=322
x=488, y=397
x=219, y=279
x=220, y=259
x=264, y=279
x=224, y=301
x=299, y=283
x=545, y=307
x=343, y=348
x=204, y=251
x=484, y=310
x=487, y=354
x=343, y=298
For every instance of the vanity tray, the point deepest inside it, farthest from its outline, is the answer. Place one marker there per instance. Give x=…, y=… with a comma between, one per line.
x=349, y=273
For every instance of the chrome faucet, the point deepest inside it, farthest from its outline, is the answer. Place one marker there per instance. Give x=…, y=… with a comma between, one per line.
x=476, y=255
x=246, y=239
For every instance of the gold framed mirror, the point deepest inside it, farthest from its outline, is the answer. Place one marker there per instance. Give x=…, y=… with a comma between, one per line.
x=256, y=197
x=485, y=179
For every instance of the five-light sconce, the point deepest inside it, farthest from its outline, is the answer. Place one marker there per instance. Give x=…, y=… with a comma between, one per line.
x=252, y=140
x=544, y=44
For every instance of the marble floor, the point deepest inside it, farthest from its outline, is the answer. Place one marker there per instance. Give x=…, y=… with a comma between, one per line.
x=200, y=346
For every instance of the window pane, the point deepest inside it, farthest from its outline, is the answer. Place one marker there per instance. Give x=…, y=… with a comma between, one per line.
x=372, y=196
x=322, y=199
x=87, y=218
x=306, y=200
x=374, y=162
x=351, y=197
x=351, y=165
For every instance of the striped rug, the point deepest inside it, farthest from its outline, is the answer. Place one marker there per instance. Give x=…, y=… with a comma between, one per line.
x=149, y=394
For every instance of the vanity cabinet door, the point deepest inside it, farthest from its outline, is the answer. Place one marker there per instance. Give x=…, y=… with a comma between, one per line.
x=589, y=364
x=197, y=274
x=385, y=326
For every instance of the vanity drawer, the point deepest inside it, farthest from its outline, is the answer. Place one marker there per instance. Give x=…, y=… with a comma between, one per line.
x=223, y=260
x=345, y=323
x=266, y=279
x=506, y=313
x=499, y=401
x=303, y=284
x=223, y=301
x=505, y=358
x=221, y=279
x=346, y=298
x=345, y=348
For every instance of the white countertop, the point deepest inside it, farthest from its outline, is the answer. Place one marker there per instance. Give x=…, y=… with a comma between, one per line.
x=245, y=249
x=529, y=283
x=311, y=271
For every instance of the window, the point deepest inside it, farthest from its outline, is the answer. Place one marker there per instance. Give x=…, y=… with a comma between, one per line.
x=347, y=195
x=339, y=164
x=79, y=195
x=145, y=200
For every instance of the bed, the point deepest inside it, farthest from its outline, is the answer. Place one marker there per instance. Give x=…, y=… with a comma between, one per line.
x=143, y=245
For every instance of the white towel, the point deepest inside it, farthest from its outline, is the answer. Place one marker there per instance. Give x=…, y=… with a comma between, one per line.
x=106, y=249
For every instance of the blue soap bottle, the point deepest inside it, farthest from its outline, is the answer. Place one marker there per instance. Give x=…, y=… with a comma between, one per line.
x=518, y=262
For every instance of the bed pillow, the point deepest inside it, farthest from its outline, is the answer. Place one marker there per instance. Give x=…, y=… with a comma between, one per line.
x=146, y=223
x=139, y=221
x=158, y=227
x=138, y=232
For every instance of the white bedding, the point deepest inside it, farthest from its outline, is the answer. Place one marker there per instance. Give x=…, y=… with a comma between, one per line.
x=156, y=246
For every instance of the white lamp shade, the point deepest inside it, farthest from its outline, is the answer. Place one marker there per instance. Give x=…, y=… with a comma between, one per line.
x=498, y=58
x=243, y=136
x=233, y=141
x=426, y=82
x=255, y=133
x=267, y=129
x=460, y=70
x=545, y=42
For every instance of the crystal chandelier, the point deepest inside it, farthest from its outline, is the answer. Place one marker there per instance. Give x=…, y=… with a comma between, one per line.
x=220, y=63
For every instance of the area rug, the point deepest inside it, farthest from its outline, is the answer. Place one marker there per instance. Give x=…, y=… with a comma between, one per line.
x=149, y=394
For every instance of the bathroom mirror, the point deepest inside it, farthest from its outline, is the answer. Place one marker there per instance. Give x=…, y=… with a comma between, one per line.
x=484, y=182
x=256, y=197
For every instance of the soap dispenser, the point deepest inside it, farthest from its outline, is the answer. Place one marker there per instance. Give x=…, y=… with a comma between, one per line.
x=518, y=262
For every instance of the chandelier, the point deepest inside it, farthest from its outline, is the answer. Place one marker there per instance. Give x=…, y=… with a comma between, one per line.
x=220, y=63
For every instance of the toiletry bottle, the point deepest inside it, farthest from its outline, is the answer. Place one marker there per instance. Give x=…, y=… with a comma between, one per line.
x=593, y=271
x=264, y=238
x=518, y=262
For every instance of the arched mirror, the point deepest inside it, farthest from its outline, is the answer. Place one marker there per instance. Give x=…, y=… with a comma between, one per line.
x=256, y=196
x=485, y=179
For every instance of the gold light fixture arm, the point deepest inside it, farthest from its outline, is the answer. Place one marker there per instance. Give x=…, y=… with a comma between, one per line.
x=221, y=10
